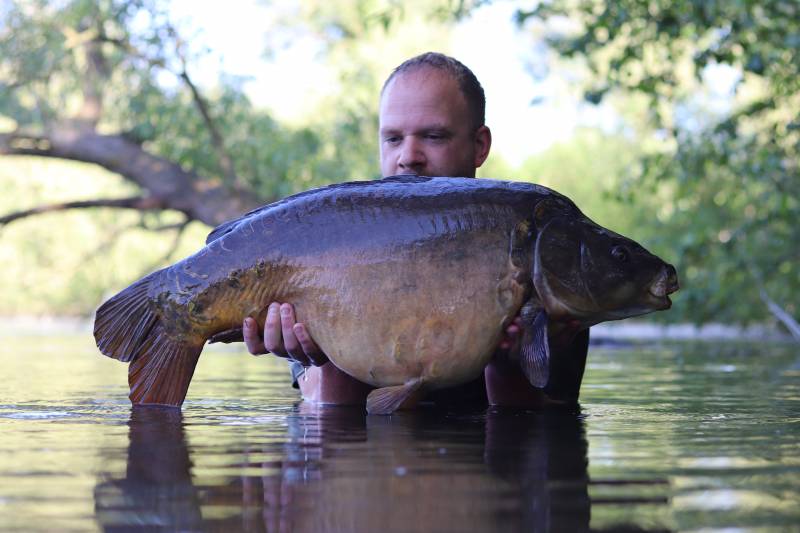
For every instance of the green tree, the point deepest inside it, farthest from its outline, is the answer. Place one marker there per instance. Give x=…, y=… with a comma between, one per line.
x=80, y=80
x=725, y=169
x=111, y=83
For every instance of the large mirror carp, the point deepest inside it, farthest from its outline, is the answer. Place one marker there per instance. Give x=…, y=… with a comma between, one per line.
x=406, y=283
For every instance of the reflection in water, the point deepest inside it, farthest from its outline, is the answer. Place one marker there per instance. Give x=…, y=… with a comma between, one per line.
x=339, y=470
x=683, y=437
x=546, y=455
x=157, y=490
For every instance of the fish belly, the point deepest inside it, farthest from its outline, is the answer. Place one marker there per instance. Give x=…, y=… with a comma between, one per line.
x=435, y=311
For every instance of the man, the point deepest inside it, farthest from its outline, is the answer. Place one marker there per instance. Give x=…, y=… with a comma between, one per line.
x=431, y=123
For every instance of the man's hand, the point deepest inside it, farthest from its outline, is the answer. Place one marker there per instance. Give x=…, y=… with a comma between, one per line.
x=506, y=385
x=510, y=341
x=283, y=336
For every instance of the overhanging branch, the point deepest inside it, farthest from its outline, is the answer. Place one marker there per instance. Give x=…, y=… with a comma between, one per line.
x=777, y=311
x=140, y=203
x=180, y=228
x=177, y=188
x=217, y=141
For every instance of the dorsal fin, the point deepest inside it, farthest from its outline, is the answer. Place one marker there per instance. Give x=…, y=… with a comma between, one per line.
x=227, y=227
x=221, y=230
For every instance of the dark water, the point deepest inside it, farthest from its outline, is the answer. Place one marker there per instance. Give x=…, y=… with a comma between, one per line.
x=668, y=438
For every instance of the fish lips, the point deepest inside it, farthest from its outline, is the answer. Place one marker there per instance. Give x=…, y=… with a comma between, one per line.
x=665, y=283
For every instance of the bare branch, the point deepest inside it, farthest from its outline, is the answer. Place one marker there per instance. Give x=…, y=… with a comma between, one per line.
x=777, y=311
x=225, y=161
x=115, y=234
x=129, y=49
x=181, y=227
x=180, y=189
x=167, y=227
x=140, y=203
x=107, y=242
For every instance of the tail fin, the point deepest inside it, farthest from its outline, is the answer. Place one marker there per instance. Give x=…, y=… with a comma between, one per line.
x=126, y=328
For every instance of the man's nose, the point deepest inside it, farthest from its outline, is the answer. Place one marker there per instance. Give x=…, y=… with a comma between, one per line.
x=411, y=157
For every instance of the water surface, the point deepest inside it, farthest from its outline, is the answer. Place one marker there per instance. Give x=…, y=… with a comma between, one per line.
x=668, y=437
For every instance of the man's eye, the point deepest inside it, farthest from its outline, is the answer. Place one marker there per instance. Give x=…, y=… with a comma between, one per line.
x=391, y=140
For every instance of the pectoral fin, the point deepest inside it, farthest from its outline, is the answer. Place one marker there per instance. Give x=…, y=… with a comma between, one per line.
x=387, y=400
x=534, y=348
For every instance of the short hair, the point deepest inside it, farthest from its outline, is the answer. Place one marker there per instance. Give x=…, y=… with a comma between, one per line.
x=467, y=81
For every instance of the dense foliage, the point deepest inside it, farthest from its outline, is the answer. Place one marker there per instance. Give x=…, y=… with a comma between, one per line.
x=75, y=75
x=125, y=68
x=119, y=70
x=727, y=164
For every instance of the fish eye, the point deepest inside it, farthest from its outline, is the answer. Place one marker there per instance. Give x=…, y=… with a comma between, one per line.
x=620, y=253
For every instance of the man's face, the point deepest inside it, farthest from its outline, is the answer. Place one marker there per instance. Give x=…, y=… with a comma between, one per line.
x=425, y=127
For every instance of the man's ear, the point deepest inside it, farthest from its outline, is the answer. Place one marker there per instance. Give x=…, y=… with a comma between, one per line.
x=483, y=143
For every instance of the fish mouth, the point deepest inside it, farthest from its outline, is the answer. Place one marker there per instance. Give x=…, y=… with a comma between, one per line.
x=662, y=302
x=665, y=284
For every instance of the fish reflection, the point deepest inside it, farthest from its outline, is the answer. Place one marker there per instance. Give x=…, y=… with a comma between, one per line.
x=545, y=455
x=339, y=470
x=157, y=492
x=432, y=471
